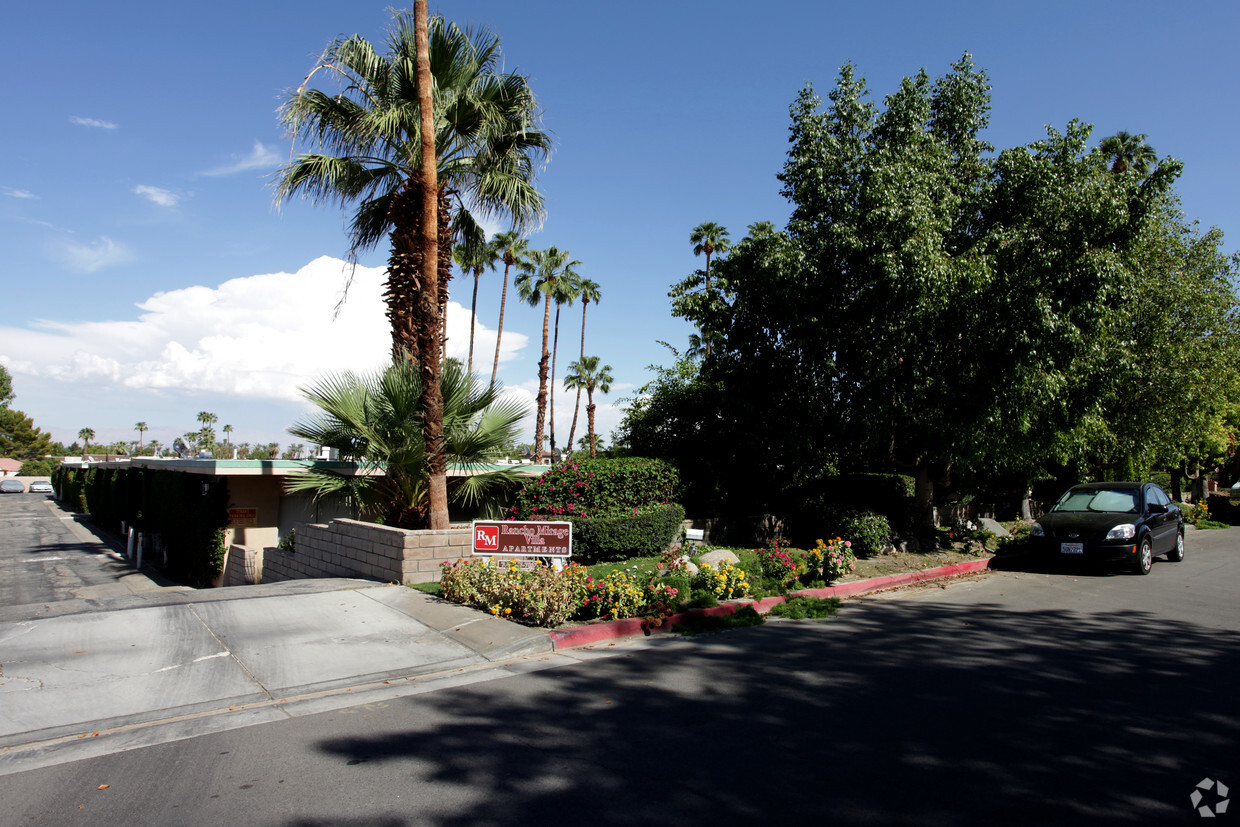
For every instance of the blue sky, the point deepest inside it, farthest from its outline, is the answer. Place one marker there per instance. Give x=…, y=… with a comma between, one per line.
x=147, y=276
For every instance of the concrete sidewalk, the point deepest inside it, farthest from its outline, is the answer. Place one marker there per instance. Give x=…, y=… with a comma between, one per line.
x=84, y=668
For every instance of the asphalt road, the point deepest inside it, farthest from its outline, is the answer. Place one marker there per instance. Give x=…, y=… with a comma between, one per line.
x=46, y=555
x=1031, y=696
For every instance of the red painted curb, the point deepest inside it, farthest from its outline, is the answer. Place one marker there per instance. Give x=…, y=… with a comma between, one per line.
x=612, y=629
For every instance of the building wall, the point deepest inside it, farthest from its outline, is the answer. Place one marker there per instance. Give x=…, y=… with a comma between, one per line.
x=262, y=493
x=350, y=548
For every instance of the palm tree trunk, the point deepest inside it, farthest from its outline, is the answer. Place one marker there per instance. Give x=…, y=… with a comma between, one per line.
x=540, y=424
x=590, y=420
x=555, y=348
x=572, y=431
x=499, y=334
x=705, y=334
x=430, y=332
x=473, y=323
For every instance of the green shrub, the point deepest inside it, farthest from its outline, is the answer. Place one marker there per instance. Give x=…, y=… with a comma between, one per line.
x=593, y=486
x=618, y=534
x=537, y=595
x=868, y=531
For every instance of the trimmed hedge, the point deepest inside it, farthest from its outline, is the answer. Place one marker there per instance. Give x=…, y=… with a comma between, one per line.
x=619, y=534
x=594, y=486
x=168, y=503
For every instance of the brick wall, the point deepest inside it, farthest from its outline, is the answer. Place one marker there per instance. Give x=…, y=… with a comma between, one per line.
x=350, y=548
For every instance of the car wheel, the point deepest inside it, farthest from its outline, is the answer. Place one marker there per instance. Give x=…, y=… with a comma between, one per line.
x=1145, y=557
x=1177, y=554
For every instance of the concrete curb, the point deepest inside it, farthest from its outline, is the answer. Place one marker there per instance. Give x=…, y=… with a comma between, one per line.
x=598, y=632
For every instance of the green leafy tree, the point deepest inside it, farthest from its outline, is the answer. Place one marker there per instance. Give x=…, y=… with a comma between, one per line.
x=586, y=373
x=380, y=152
x=541, y=281
x=929, y=306
x=20, y=439
x=375, y=421
x=6, y=387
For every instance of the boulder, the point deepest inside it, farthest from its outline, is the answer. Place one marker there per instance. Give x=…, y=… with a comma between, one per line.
x=993, y=526
x=714, y=558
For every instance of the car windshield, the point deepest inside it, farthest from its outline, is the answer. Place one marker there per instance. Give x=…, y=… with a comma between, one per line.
x=1092, y=499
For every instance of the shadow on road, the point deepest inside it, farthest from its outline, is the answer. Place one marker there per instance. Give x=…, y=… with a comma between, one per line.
x=904, y=713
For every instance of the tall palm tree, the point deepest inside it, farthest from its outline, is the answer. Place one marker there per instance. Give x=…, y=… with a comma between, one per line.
x=86, y=435
x=227, y=429
x=1128, y=151
x=206, y=434
x=589, y=293
x=513, y=249
x=470, y=137
x=374, y=420
x=538, y=282
x=709, y=238
x=141, y=428
x=586, y=373
x=475, y=254
x=566, y=292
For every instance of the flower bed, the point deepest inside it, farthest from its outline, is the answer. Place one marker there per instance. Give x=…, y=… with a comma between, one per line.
x=652, y=589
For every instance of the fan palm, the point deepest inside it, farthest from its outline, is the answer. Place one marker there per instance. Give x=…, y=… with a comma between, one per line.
x=1128, y=151
x=376, y=421
x=709, y=238
x=474, y=254
x=542, y=280
x=589, y=293
x=86, y=435
x=513, y=249
x=586, y=373
x=141, y=428
x=378, y=153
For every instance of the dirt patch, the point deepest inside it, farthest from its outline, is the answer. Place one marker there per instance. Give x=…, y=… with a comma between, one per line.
x=901, y=561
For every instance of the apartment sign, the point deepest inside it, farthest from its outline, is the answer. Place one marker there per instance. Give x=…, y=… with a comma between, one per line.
x=532, y=539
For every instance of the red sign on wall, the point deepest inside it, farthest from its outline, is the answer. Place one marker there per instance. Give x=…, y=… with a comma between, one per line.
x=532, y=539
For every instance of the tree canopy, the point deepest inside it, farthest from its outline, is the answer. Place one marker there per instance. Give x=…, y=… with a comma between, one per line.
x=933, y=306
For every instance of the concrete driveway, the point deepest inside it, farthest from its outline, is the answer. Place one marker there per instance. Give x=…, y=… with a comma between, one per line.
x=79, y=667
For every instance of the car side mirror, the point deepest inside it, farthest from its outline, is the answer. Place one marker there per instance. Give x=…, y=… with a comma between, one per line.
x=1155, y=508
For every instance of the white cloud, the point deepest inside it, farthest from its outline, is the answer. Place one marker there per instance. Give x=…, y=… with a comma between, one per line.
x=15, y=193
x=257, y=337
x=89, y=258
x=159, y=195
x=260, y=157
x=95, y=122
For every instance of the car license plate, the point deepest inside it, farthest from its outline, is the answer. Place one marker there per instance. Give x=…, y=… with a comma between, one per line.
x=1071, y=548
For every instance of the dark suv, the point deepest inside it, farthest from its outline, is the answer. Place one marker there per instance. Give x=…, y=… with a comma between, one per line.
x=1128, y=521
